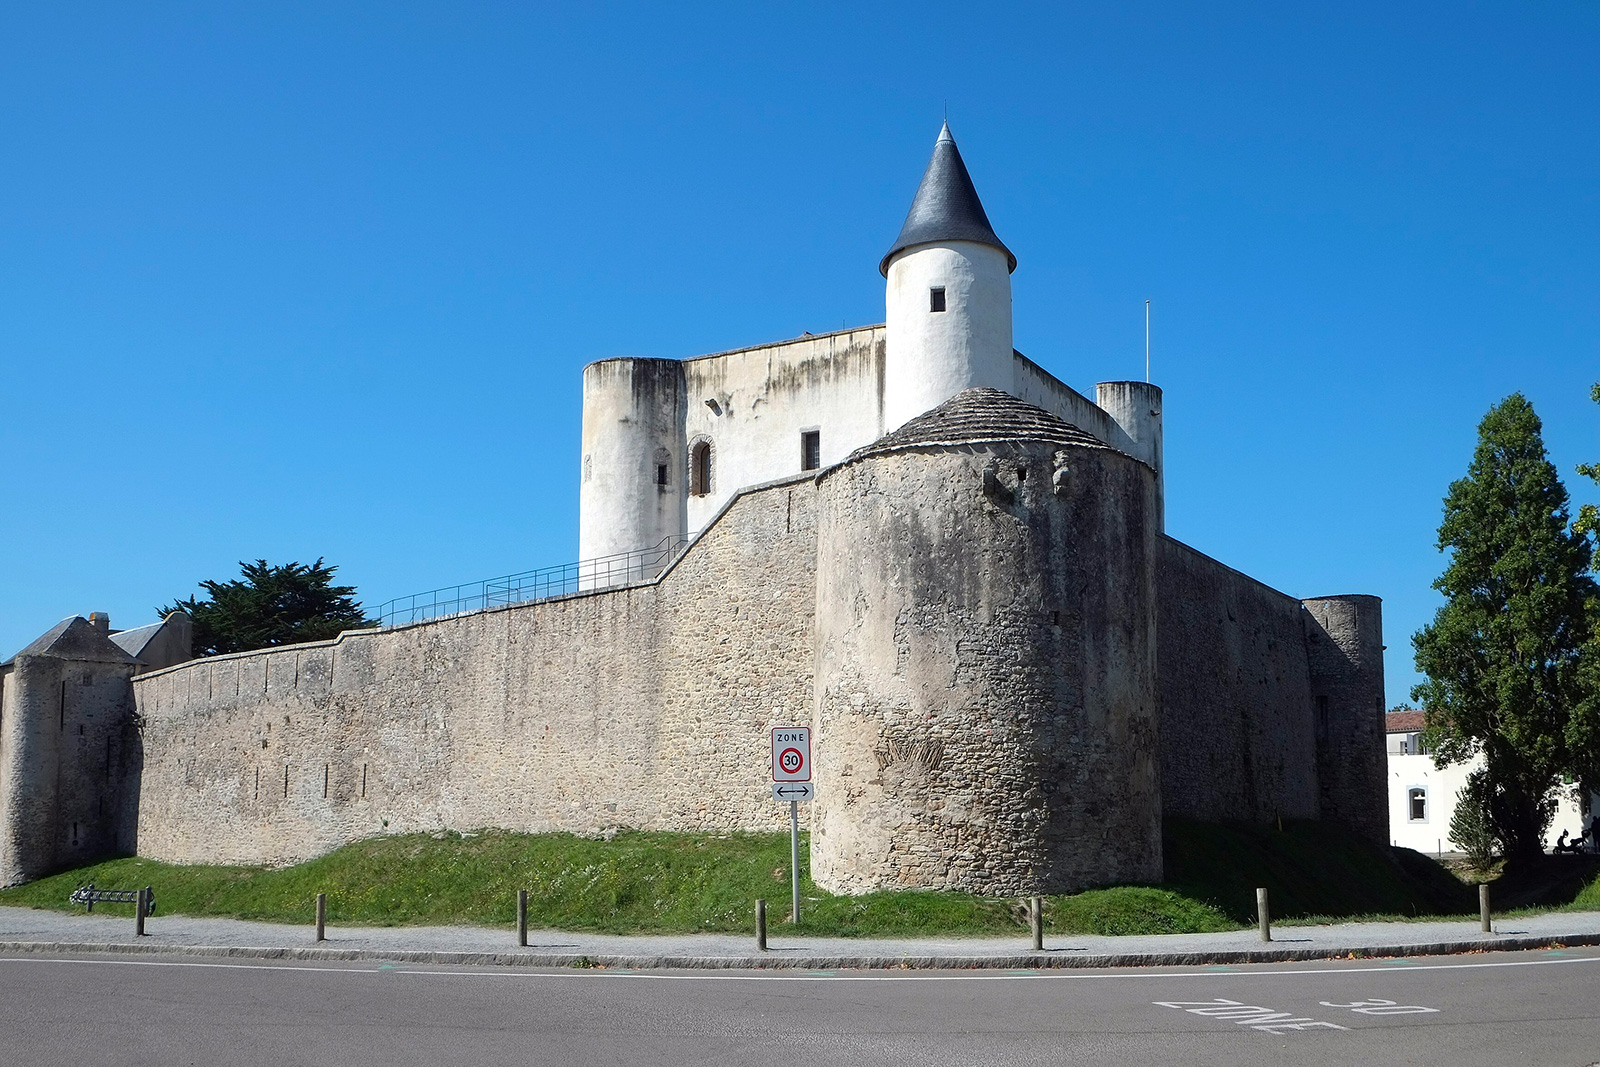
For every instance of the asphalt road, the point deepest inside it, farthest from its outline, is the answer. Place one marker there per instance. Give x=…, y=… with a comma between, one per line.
x=1540, y=1008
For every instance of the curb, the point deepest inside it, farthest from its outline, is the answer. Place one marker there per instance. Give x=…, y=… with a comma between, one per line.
x=772, y=961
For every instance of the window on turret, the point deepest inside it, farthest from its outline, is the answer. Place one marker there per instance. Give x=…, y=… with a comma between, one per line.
x=936, y=298
x=700, y=468
x=810, y=450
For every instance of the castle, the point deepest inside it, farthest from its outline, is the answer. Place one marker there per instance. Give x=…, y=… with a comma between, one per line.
x=948, y=562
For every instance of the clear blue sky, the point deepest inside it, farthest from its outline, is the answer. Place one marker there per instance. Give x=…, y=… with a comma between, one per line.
x=291, y=280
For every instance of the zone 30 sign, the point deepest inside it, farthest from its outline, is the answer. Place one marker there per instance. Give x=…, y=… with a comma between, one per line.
x=791, y=754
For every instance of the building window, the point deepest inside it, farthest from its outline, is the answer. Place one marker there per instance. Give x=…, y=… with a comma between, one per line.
x=810, y=450
x=700, y=468
x=1417, y=804
x=661, y=474
x=936, y=298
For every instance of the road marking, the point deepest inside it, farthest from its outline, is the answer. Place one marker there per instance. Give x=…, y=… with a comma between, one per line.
x=1267, y=1020
x=785, y=976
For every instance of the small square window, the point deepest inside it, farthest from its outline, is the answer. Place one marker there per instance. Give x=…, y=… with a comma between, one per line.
x=936, y=298
x=810, y=450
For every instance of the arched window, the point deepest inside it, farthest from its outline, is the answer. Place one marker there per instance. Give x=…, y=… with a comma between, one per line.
x=700, y=468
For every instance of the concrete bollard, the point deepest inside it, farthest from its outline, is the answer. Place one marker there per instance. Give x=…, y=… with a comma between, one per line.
x=761, y=925
x=141, y=908
x=322, y=916
x=522, y=918
x=1036, y=922
x=1483, y=907
x=1263, y=917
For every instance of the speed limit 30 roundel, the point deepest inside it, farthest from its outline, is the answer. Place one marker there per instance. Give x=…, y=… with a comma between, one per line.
x=791, y=754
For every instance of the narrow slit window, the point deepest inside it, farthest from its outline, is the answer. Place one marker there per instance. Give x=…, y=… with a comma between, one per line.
x=1417, y=801
x=936, y=298
x=661, y=474
x=810, y=450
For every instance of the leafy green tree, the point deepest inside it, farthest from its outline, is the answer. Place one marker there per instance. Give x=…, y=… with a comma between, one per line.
x=271, y=605
x=1504, y=656
x=1585, y=726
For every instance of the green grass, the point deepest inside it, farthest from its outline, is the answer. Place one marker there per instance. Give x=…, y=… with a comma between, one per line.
x=679, y=883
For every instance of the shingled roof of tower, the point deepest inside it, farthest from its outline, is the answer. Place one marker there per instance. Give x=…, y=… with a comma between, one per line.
x=946, y=207
x=979, y=416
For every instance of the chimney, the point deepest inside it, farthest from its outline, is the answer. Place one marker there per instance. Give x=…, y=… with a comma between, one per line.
x=100, y=621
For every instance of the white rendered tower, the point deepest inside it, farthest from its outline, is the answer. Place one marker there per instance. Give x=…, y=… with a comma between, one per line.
x=948, y=299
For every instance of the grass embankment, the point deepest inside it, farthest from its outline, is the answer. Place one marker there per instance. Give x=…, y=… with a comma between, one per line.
x=660, y=883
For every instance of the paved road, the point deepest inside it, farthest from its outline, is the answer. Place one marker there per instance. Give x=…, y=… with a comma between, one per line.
x=1538, y=1008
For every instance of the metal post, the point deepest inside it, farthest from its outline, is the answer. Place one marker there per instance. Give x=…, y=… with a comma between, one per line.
x=141, y=902
x=794, y=854
x=761, y=924
x=1263, y=919
x=1036, y=922
x=522, y=918
x=322, y=916
x=1483, y=907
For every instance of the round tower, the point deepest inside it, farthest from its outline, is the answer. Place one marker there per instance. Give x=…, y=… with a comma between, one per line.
x=948, y=295
x=632, y=491
x=1136, y=409
x=985, y=686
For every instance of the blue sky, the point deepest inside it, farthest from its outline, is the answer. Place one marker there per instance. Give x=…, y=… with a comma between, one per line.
x=296, y=280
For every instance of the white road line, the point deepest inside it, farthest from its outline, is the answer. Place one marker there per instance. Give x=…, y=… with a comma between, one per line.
x=781, y=976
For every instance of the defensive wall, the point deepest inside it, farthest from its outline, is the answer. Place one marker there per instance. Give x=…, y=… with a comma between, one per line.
x=646, y=706
x=1082, y=673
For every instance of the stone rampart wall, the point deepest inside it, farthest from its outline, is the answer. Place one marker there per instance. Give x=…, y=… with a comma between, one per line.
x=1237, y=737
x=643, y=707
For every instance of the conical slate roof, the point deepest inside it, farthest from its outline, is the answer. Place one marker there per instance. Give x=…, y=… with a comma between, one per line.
x=946, y=207
x=979, y=416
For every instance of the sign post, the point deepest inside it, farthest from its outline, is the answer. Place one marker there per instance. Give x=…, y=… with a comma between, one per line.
x=791, y=776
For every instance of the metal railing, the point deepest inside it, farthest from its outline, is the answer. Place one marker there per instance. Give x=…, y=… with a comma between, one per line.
x=603, y=572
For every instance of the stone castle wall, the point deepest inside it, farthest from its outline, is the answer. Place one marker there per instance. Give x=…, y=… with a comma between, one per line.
x=1236, y=709
x=644, y=707
x=648, y=706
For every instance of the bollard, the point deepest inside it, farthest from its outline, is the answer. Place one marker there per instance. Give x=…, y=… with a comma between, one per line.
x=1483, y=907
x=322, y=916
x=761, y=925
x=1036, y=922
x=141, y=905
x=522, y=918
x=1263, y=919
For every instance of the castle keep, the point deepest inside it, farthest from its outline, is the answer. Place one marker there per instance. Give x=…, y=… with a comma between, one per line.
x=948, y=562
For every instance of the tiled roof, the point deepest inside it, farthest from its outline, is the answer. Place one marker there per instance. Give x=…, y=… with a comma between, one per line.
x=1403, y=722
x=977, y=416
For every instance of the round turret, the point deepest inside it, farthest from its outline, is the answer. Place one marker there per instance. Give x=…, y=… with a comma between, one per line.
x=986, y=702
x=632, y=491
x=948, y=295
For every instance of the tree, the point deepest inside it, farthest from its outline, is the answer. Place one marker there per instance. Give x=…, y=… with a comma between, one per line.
x=1585, y=725
x=1504, y=657
x=271, y=605
x=1471, y=827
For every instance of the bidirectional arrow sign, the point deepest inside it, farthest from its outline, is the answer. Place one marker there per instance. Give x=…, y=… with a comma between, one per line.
x=791, y=754
x=796, y=791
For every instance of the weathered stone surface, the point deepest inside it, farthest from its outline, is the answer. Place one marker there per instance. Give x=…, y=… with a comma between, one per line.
x=1236, y=704
x=642, y=707
x=986, y=681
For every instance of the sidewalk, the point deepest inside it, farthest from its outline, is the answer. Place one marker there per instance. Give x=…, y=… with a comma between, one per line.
x=27, y=930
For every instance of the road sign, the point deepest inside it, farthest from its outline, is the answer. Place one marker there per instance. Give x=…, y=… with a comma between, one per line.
x=797, y=791
x=791, y=754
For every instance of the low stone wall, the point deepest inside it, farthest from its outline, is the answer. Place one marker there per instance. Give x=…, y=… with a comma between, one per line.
x=1237, y=737
x=642, y=707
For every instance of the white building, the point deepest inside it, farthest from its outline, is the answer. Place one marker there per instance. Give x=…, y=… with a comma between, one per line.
x=667, y=443
x=1422, y=797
